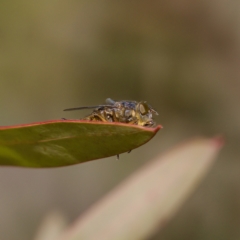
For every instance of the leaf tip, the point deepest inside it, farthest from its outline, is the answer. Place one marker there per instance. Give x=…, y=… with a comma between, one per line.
x=158, y=127
x=218, y=141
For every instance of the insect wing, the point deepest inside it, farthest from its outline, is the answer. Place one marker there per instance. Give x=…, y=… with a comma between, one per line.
x=90, y=107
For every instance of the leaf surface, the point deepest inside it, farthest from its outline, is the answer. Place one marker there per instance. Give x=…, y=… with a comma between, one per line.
x=147, y=200
x=66, y=142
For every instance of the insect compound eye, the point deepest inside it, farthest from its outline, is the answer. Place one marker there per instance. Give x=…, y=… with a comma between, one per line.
x=143, y=108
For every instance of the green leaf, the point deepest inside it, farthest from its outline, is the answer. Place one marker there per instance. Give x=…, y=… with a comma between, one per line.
x=146, y=201
x=66, y=142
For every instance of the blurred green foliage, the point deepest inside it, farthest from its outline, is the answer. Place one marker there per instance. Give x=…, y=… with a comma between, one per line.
x=182, y=57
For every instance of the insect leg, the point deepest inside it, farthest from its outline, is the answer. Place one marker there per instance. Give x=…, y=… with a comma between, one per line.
x=134, y=121
x=114, y=116
x=101, y=117
x=95, y=117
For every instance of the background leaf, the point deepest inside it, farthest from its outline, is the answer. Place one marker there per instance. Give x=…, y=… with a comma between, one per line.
x=66, y=142
x=51, y=226
x=150, y=197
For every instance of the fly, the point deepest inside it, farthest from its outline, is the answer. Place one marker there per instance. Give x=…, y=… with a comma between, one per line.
x=130, y=112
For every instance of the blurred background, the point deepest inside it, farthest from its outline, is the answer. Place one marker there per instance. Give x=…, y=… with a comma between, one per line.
x=181, y=56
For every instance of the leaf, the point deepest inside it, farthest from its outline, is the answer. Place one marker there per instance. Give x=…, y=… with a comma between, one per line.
x=150, y=197
x=51, y=227
x=66, y=142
